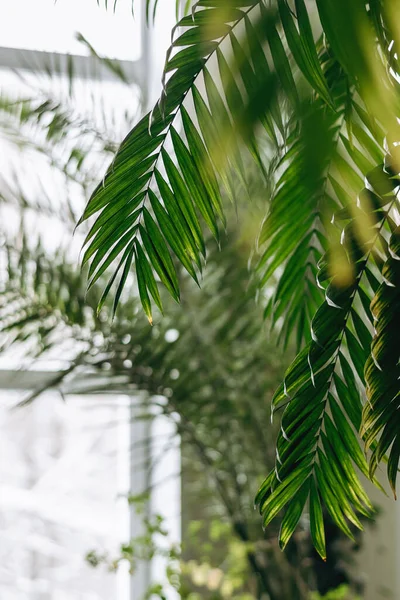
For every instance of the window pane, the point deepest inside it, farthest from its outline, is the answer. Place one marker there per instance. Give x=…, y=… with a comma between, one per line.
x=52, y=27
x=99, y=112
x=63, y=467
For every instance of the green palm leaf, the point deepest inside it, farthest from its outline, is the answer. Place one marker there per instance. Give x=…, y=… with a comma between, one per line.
x=244, y=79
x=207, y=153
x=382, y=369
x=311, y=443
x=184, y=196
x=295, y=232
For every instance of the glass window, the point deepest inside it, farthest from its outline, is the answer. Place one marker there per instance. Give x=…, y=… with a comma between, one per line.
x=63, y=467
x=52, y=26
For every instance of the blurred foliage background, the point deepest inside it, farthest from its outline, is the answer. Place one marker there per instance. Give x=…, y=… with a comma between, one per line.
x=210, y=365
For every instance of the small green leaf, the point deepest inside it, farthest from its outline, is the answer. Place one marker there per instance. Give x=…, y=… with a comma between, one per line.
x=144, y=296
x=331, y=501
x=171, y=235
x=284, y=493
x=159, y=254
x=183, y=199
x=317, y=521
x=111, y=281
x=393, y=465
x=124, y=277
x=282, y=66
x=119, y=246
x=195, y=183
x=293, y=514
x=147, y=275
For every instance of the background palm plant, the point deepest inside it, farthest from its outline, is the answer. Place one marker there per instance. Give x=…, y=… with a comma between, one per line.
x=311, y=94
x=211, y=380
x=217, y=400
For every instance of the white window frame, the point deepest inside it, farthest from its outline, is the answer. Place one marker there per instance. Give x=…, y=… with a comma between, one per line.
x=140, y=480
x=145, y=73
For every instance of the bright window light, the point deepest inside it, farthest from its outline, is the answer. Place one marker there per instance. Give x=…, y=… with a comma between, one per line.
x=65, y=476
x=52, y=26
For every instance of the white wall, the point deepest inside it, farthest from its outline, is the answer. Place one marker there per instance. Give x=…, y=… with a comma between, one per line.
x=379, y=560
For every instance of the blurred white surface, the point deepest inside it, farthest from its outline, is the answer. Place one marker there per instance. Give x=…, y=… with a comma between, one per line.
x=51, y=26
x=63, y=467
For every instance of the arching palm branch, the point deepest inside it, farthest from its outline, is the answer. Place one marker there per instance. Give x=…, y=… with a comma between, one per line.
x=311, y=94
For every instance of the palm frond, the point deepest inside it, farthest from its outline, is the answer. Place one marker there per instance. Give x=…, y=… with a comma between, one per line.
x=317, y=449
x=293, y=236
x=325, y=146
x=167, y=193
x=242, y=80
x=59, y=321
x=382, y=368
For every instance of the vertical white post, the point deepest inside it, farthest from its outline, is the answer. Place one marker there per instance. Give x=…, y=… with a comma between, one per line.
x=164, y=479
x=166, y=493
x=123, y=484
x=378, y=561
x=158, y=42
x=139, y=483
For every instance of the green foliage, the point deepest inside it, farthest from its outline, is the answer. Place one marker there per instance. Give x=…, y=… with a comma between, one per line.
x=312, y=96
x=341, y=593
x=308, y=101
x=313, y=442
x=143, y=548
x=382, y=368
x=212, y=374
x=191, y=191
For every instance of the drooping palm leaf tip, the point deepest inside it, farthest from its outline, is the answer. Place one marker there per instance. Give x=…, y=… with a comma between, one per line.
x=312, y=107
x=382, y=368
x=160, y=203
x=318, y=453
